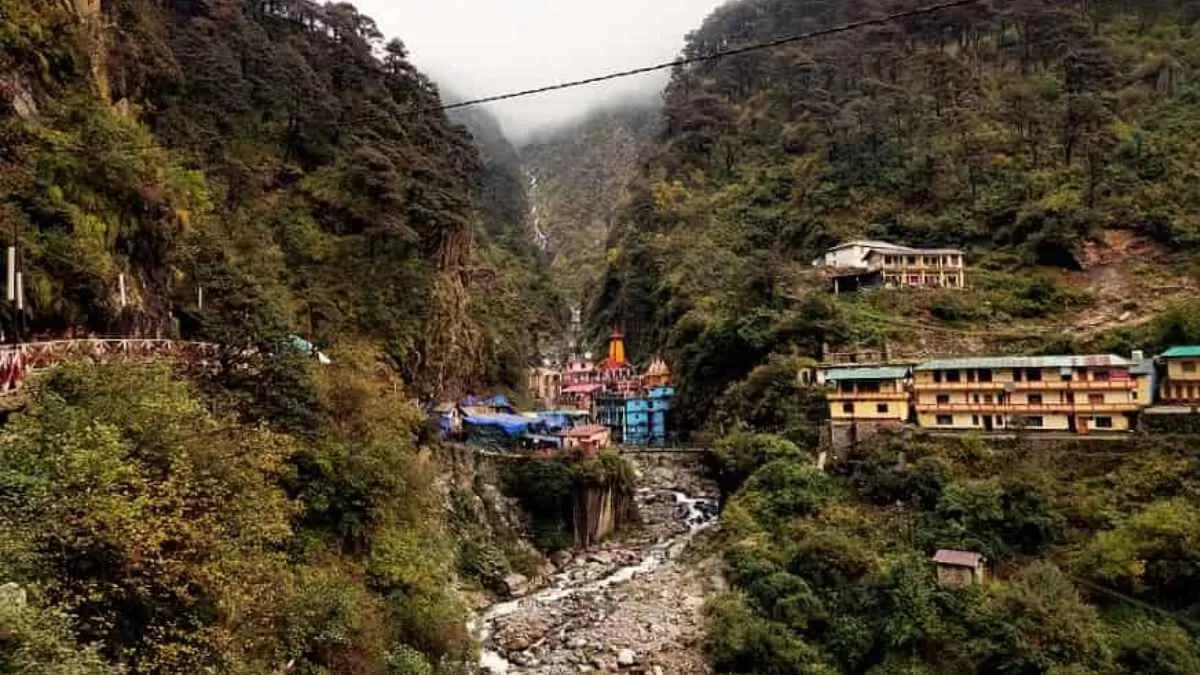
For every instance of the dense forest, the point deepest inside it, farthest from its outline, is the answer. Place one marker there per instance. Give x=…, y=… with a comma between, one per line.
x=246, y=171
x=259, y=151
x=1091, y=558
x=1024, y=132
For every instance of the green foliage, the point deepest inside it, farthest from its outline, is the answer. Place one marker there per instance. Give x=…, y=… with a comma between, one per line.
x=772, y=398
x=269, y=154
x=739, y=455
x=179, y=539
x=39, y=640
x=1090, y=558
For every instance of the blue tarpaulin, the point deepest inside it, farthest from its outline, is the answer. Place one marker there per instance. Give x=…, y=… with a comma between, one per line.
x=511, y=425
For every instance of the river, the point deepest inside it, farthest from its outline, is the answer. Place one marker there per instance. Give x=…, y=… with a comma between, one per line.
x=632, y=604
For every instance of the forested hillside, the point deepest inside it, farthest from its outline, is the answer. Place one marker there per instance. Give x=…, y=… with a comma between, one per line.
x=1034, y=134
x=582, y=173
x=257, y=150
x=262, y=514
x=1091, y=558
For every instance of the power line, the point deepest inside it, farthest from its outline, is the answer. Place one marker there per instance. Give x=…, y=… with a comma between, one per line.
x=833, y=30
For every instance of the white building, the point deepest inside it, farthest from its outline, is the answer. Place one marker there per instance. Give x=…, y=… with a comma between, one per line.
x=896, y=266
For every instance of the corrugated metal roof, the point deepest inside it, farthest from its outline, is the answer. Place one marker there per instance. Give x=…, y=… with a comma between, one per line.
x=963, y=558
x=1089, y=361
x=878, y=373
x=1143, y=367
x=893, y=248
x=1182, y=352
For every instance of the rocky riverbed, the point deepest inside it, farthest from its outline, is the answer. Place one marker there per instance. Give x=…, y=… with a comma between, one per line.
x=631, y=605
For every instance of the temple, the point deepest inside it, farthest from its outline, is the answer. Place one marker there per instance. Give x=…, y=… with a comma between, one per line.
x=634, y=405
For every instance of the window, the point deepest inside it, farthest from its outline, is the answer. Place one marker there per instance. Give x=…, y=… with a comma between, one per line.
x=985, y=376
x=881, y=408
x=952, y=376
x=1035, y=399
x=1033, y=374
x=868, y=387
x=945, y=420
x=1189, y=366
x=987, y=398
x=1104, y=422
x=975, y=398
x=974, y=420
x=912, y=260
x=1096, y=399
x=1034, y=421
x=848, y=408
x=1100, y=375
x=937, y=376
x=1017, y=373
x=970, y=376
x=943, y=399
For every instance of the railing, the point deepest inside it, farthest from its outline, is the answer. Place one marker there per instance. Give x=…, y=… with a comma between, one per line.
x=19, y=360
x=1001, y=408
x=1035, y=385
x=867, y=396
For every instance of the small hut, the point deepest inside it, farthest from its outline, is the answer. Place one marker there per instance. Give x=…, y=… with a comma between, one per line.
x=959, y=568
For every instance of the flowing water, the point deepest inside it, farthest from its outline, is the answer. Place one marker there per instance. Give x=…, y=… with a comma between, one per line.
x=683, y=517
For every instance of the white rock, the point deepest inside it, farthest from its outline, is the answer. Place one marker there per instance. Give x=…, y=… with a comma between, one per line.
x=13, y=595
x=626, y=658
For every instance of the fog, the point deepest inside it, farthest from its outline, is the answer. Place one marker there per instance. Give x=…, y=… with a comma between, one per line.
x=478, y=48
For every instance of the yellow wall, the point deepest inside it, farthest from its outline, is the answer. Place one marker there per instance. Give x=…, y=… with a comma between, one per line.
x=1145, y=393
x=867, y=409
x=1175, y=370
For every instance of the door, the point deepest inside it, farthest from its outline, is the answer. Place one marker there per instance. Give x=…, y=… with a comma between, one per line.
x=987, y=423
x=1072, y=424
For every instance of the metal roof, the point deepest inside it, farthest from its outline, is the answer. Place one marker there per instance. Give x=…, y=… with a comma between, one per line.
x=961, y=558
x=1143, y=367
x=878, y=373
x=1182, y=352
x=1090, y=361
x=891, y=248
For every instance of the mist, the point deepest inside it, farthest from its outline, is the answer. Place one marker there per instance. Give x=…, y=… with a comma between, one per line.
x=478, y=48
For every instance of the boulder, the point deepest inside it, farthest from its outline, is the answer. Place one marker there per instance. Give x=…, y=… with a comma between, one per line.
x=516, y=585
x=12, y=595
x=626, y=658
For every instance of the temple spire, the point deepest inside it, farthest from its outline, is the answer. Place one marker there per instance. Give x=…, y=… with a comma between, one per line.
x=616, y=348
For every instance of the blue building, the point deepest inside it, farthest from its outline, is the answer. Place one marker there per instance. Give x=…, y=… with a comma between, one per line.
x=641, y=419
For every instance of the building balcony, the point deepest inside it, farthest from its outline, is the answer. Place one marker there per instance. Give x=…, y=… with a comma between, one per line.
x=1029, y=408
x=841, y=396
x=1024, y=385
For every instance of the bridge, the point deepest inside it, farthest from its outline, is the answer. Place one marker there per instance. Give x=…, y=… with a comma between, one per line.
x=661, y=450
x=19, y=361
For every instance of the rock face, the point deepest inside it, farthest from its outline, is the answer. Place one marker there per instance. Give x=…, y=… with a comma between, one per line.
x=631, y=605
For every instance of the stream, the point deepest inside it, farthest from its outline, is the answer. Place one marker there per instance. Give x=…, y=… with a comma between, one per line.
x=630, y=604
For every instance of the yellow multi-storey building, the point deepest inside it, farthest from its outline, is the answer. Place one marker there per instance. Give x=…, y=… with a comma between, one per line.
x=1181, y=386
x=1052, y=393
x=875, y=395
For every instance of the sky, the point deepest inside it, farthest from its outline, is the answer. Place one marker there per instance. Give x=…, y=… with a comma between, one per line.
x=477, y=48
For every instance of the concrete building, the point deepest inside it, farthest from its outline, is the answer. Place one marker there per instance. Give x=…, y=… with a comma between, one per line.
x=1078, y=394
x=865, y=264
x=865, y=401
x=959, y=569
x=545, y=384
x=591, y=437
x=1181, y=385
